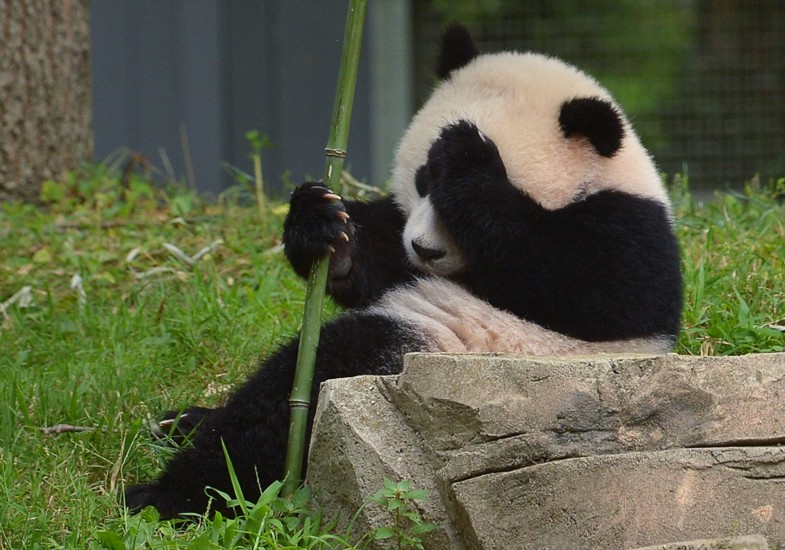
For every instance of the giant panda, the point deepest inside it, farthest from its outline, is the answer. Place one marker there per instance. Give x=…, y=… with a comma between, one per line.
x=525, y=217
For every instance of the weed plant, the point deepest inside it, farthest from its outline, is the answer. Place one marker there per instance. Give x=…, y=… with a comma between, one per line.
x=120, y=300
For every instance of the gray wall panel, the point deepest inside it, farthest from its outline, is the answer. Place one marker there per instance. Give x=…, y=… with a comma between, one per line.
x=220, y=68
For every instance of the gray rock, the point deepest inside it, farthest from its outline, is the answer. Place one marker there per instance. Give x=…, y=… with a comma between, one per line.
x=598, y=452
x=361, y=439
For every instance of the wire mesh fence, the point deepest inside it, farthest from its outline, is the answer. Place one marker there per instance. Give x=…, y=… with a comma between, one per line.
x=702, y=81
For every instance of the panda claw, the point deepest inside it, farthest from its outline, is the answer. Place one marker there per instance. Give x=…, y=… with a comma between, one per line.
x=160, y=429
x=344, y=236
x=343, y=215
x=331, y=196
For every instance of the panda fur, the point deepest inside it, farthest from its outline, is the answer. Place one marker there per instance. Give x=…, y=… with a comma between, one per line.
x=525, y=217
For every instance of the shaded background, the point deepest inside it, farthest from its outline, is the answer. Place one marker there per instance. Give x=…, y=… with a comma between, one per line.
x=703, y=81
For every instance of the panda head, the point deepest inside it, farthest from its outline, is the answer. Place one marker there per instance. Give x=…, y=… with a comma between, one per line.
x=561, y=137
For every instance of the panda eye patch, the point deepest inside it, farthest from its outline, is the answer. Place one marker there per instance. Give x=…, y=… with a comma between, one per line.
x=421, y=181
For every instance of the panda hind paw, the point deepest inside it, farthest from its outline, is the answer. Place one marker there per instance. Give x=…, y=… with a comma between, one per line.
x=139, y=497
x=179, y=427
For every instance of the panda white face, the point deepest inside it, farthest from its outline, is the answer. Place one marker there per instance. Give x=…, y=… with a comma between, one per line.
x=428, y=246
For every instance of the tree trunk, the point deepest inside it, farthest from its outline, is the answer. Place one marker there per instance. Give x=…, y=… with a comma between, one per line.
x=44, y=93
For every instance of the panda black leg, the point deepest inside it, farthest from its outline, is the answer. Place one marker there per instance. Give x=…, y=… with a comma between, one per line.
x=253, y=425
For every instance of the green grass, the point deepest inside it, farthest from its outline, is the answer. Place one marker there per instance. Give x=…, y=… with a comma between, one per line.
x=152, y=333
x=733, y=250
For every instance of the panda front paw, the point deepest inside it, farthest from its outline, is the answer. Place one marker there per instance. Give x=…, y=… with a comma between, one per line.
x=466, y=183
x=317, y=224
x=464, y=155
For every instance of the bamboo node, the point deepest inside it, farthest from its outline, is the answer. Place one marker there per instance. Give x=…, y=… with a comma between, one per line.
x=299, y=403
x=337, y=153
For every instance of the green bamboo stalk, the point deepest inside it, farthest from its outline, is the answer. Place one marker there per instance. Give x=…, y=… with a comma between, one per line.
x=300, y=398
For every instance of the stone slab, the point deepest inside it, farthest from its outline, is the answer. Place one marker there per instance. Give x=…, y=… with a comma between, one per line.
x=553, y=452
x=629, y=500
x=498, y=412
x=751, y=542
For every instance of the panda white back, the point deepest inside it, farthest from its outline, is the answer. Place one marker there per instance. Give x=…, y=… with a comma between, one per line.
x=452, y=320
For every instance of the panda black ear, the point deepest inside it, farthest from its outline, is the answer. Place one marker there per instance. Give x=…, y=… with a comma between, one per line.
x=457, y=50
x=597, y=120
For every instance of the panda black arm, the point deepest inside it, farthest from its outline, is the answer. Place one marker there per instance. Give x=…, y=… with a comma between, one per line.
x=368, y=256
x=603, y=268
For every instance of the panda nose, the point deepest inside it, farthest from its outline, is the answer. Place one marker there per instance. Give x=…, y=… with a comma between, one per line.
x=427, y=254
